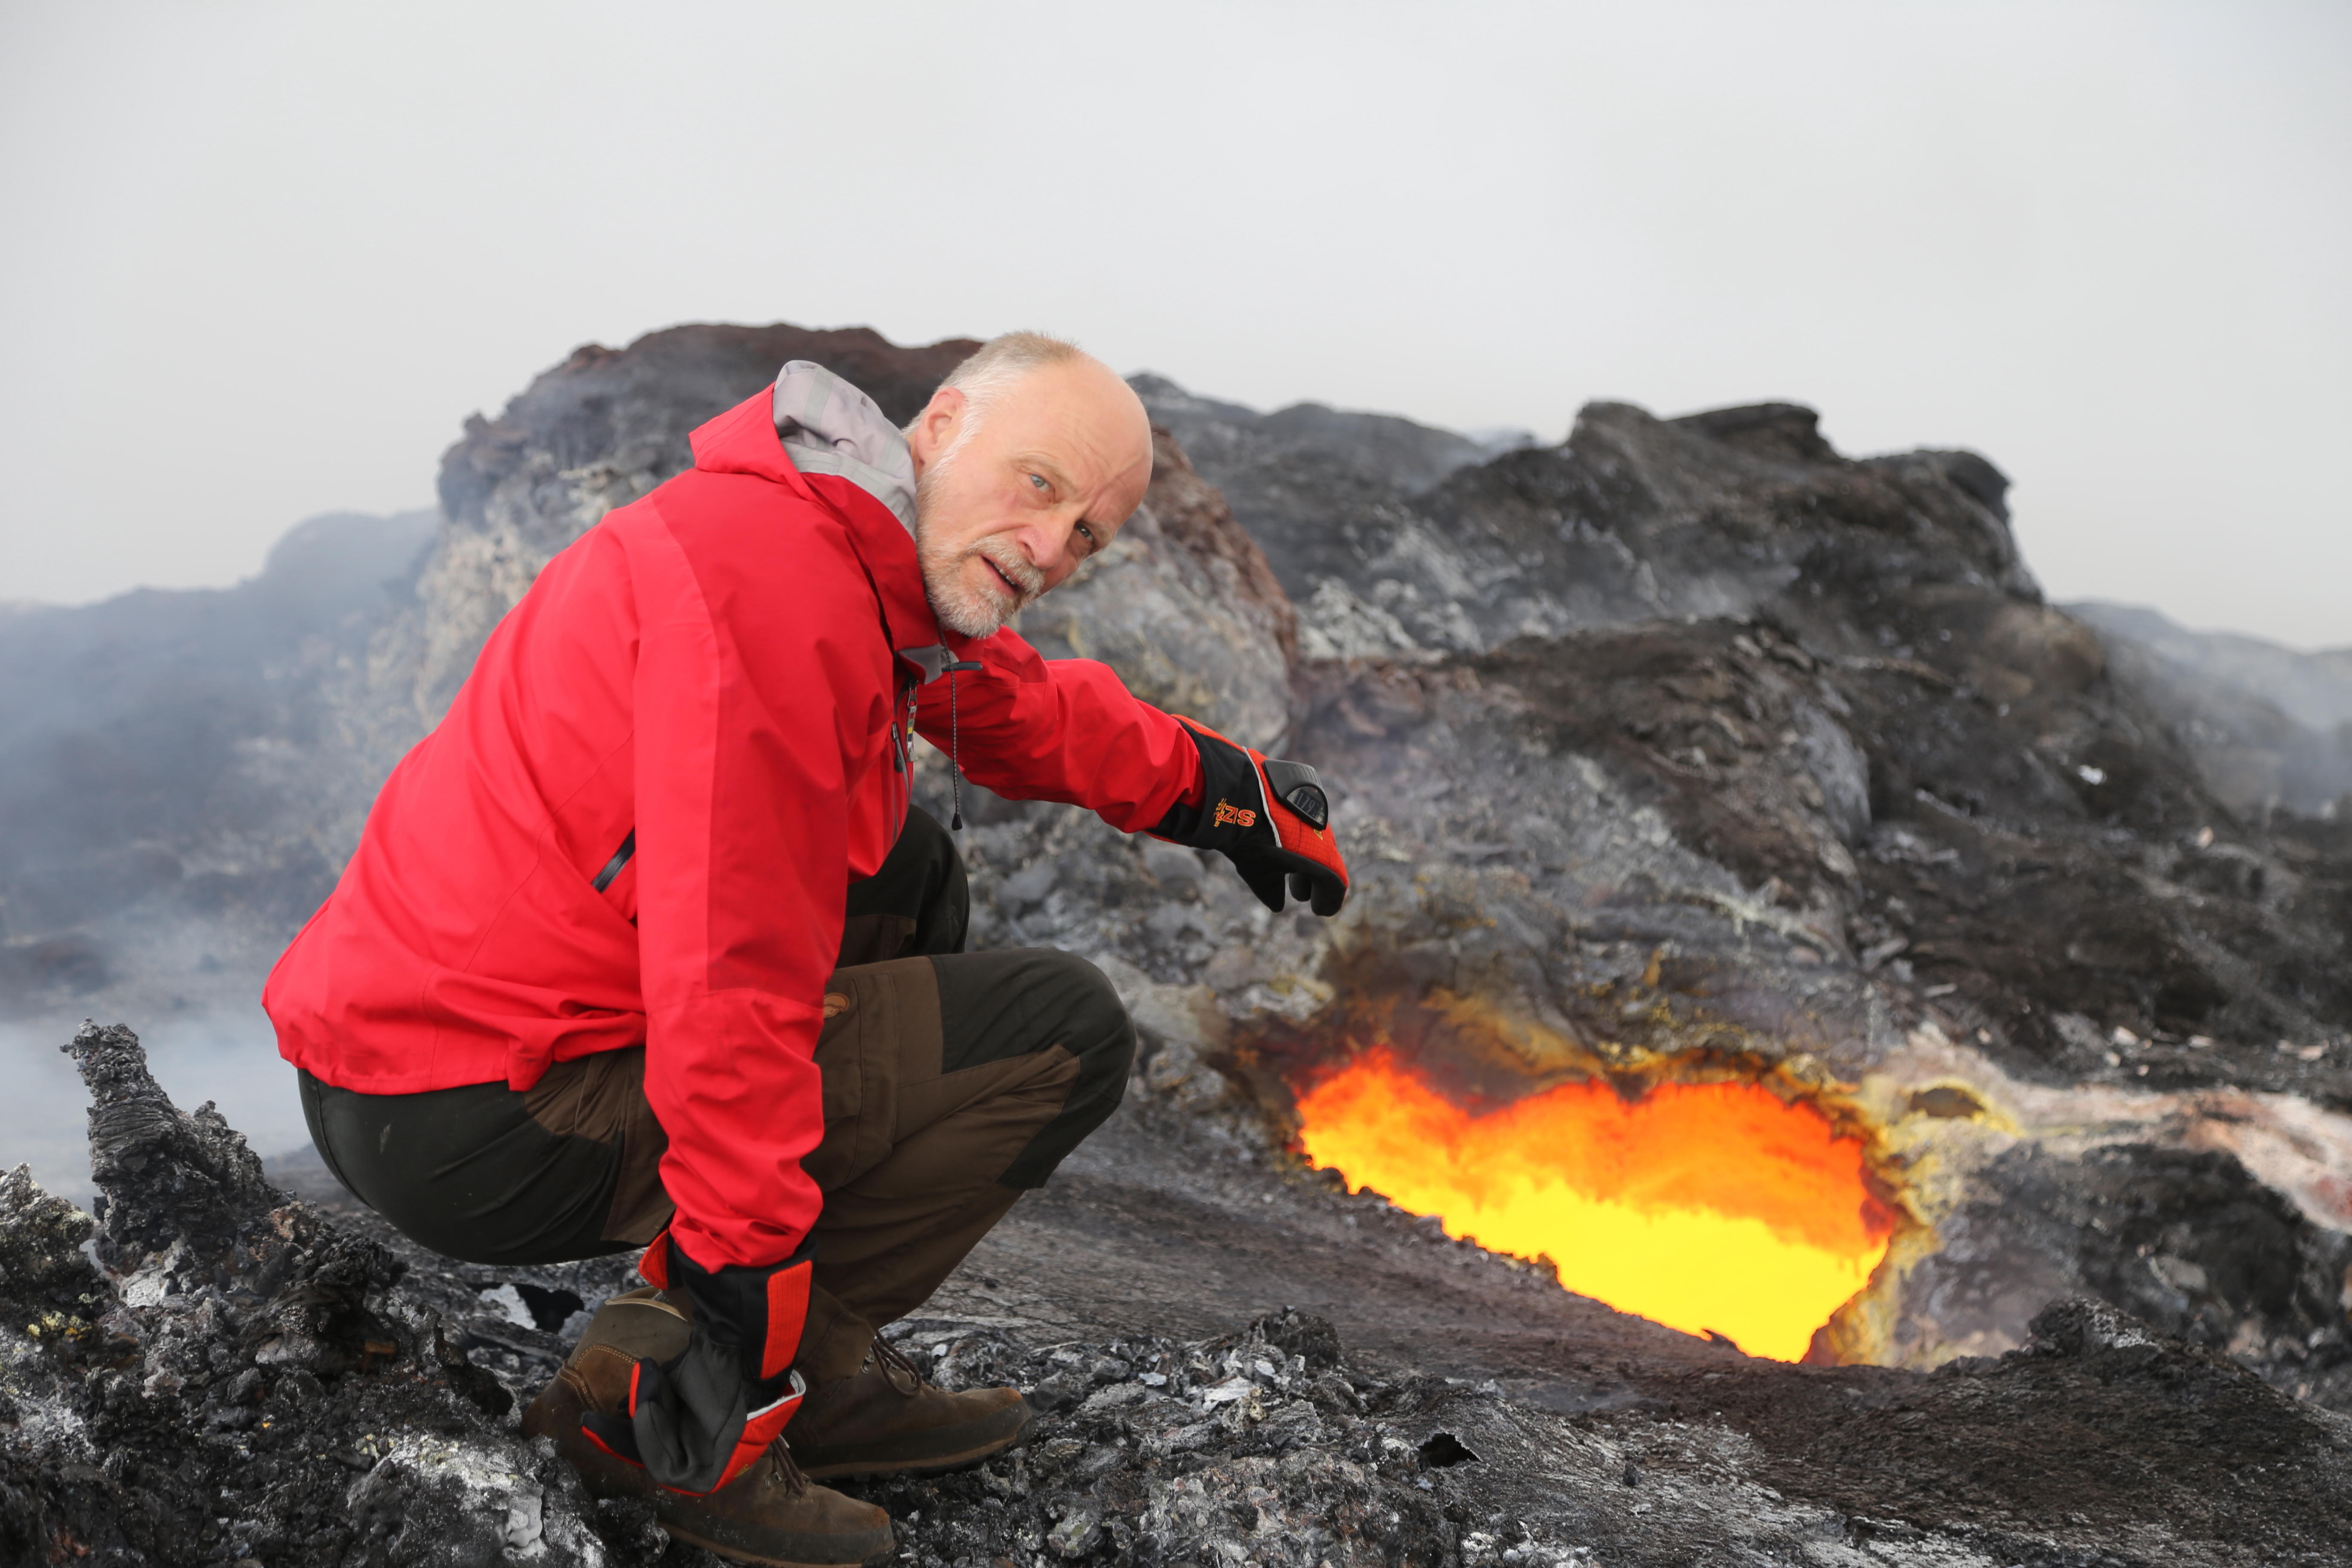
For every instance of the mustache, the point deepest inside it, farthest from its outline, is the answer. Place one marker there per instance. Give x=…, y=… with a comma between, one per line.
x=1007, y=558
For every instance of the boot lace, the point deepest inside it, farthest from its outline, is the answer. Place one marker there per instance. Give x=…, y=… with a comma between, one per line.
x=894, y=1366
x=787, y=1473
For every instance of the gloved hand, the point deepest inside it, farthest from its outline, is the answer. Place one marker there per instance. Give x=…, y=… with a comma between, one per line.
x=1269, y=817
x=696, y=1421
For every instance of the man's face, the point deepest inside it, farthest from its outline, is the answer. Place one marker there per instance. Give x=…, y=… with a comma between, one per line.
x=1048, y=478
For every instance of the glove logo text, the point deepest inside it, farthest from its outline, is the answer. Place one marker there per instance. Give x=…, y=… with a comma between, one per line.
x=1228, y=812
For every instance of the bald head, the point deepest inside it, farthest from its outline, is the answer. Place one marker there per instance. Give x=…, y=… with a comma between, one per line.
x=1027, y=460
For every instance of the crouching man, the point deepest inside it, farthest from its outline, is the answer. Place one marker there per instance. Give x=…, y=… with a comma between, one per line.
x=644, y=946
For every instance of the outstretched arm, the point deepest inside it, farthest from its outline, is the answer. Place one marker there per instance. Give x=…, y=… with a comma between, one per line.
x=1068, y=730
x=1065, y=729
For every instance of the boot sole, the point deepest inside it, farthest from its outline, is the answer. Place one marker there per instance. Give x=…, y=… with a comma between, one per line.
x=738, y=1554
x=939, y=1465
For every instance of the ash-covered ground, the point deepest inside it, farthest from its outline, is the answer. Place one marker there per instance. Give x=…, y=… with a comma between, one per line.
x=213, y=1370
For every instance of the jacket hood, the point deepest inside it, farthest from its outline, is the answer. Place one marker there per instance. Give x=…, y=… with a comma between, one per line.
x=816, y=426
x=829, y=427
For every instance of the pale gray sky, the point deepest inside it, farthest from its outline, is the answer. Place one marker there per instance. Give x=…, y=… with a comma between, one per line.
x=263, y=258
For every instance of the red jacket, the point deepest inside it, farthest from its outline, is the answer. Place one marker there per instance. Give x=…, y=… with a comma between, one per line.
x=710, y=669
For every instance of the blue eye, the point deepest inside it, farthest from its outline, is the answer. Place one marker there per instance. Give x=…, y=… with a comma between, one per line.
x=1038, y=480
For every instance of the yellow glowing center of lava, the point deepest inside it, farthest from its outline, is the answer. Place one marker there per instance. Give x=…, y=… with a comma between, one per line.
x=1713, y=1205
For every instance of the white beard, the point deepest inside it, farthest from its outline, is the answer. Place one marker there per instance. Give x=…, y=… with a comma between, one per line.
x=960, y=607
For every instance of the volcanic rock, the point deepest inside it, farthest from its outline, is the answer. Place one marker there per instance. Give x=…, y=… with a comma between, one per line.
x=243, y=1381
x=252, y=1381
x=1691, y=744
x=2266, y=726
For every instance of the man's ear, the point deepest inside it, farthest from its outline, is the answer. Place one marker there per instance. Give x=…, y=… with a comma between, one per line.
x=935, y=427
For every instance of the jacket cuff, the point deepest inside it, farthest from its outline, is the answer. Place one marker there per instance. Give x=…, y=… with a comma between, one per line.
x=1230, y=805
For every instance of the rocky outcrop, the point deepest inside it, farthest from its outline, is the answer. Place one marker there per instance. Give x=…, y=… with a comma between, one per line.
x=2266, y=726
x=2312, y=689
x=240, y=1380
x=1392, y=544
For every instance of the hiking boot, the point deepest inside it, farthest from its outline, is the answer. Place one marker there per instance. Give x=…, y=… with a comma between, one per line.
x=770, y=1514
x=886, y=1421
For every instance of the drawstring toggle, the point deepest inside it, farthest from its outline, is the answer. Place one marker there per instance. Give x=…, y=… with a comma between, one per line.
x=955, y=758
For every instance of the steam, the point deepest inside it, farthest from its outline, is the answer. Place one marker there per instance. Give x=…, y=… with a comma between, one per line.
x=163, y=766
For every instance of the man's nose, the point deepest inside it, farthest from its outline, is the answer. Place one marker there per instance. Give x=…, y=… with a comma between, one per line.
x=1049, y=543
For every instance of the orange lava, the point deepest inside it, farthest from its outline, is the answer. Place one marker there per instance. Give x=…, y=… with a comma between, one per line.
x=1702, y=1207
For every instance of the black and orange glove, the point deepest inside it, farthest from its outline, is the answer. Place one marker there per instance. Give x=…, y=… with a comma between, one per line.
x=699, y=1419
x=1269, y=817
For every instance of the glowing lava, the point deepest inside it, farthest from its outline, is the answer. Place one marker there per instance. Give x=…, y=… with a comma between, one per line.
x=1703, y=1206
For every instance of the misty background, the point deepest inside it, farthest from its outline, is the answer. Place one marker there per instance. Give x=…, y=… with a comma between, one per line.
x=266, y=258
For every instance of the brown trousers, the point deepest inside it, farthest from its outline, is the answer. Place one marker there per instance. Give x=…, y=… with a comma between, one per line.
x=953, y=1082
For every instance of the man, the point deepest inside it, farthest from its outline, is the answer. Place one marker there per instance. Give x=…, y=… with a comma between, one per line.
x=645, y=947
